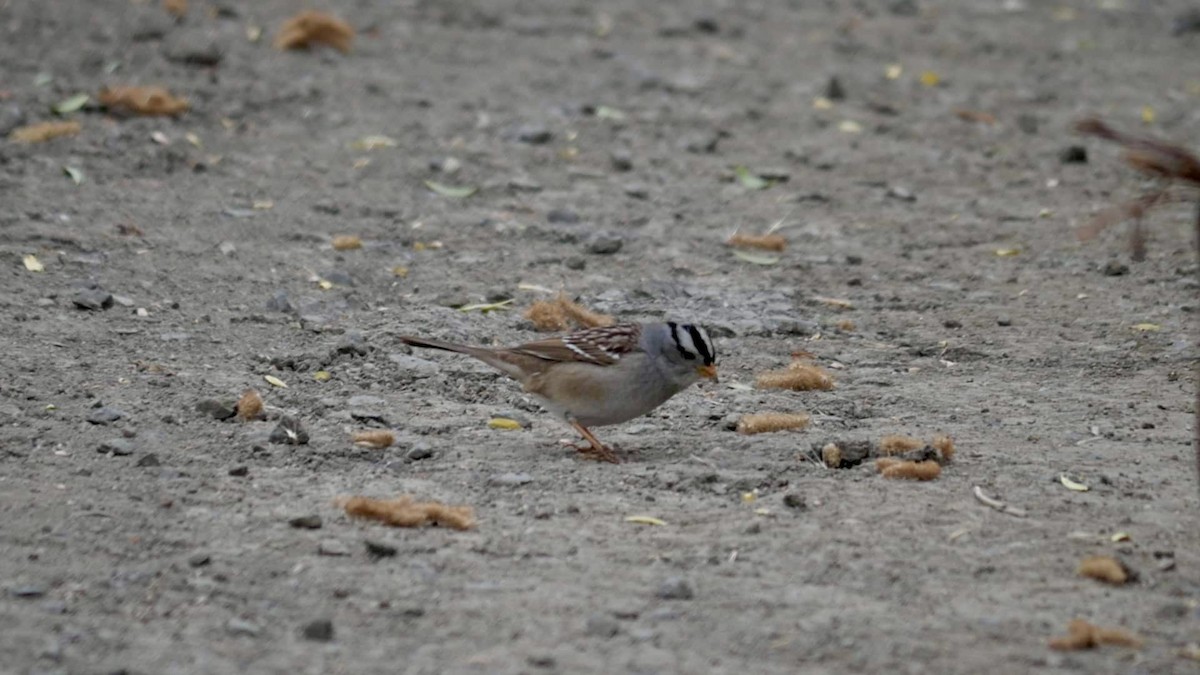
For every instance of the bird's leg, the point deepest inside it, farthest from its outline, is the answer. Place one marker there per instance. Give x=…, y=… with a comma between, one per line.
x=595, y=448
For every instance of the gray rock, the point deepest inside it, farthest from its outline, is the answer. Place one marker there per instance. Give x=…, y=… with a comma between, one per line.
x=117, y=446
x=289, y=431
x=834, y=91
x=795, y=500
x=603, y=243
x=379, y=549
x=105, y=415
x=562, y=216
x=332, y=547
x=575, y=263
x=27, y=591
x=602, y=626
x=420, y=450
x=238, y=626
x=92, y=299
x=217, y=409
x=280, y=302
x=901, y=193
x=309, y=522
x=675, y=588
x=534, y=134
x=1073, y=154
x=240, y=471
x=1115, y=269
x=622, y=160
x=510, y=478
x=200, y=559
x=147, y=460
x=320, y=630
x=636, y=190
x=193, y=49
x=353, y=343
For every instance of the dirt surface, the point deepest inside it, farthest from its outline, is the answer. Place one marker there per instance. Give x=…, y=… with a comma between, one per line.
x=601, y=138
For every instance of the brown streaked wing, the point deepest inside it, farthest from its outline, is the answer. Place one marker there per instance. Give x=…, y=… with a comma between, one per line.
x=602, y=346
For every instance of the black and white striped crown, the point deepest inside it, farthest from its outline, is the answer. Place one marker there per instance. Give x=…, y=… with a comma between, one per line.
x=693, y=343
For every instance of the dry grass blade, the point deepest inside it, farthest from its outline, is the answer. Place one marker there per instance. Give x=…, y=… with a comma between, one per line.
x=766, y=242
x=44, y=131
x=798, y=376
x=758, y=423
x=1084, y=635
x=896, y=445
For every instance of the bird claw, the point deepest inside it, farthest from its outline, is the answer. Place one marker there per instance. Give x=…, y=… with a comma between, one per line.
x=601, y=453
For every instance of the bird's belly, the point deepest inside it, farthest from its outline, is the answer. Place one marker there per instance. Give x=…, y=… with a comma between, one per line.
x=620, y=409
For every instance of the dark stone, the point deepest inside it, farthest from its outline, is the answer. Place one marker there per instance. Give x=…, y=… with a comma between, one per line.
x=534, y=135
x=289, y=431
x=309, y=522
x=1073, y=154
x=193, y=49
x=565, y=216
x=27, y=591
x=149, y=459
x=622, y=160
x=320, y=630
x=379, y=549
x=795, y=500
x=199, y=559
x=421, y=450
x=834, y=90
x=240, y=471
x=707, y=24
x=1115, y=269
x=93, y=299
x=952, y=323
x=1187, y=22
x=1003, y=321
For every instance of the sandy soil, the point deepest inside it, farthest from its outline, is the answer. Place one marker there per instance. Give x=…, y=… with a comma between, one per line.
x=142, y=535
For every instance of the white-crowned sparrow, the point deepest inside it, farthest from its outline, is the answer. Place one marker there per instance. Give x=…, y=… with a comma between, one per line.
x=600, y=376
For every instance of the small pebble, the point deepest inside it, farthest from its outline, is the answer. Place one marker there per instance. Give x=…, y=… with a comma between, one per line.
x=564, y=216
x=622, y=160
x=675, y=588
x=217, y=409
x=308, y=522
x=320, y=630
x=834, y=91
x=420, y=450
x=602, y=626
x=604, y=244
x=1073, y=154
x=240, y=471
x=332, y=547
x=379, y=549
x=795, y=500
x=237, y=626
x=149, y=459
x=534, y=135
x=105, y=415
x=199, y=559
x=1003, y=321
x=510, y=478
x=93, y=299
x=903, y=194
x=1115, y=269
x=27, y=591
x=119, y=447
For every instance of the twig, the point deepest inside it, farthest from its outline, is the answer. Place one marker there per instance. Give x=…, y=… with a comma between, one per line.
x=997, y=504
x=703, y=461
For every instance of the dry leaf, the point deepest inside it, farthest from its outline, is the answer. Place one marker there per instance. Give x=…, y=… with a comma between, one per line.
x=275, y=381
x=322, y=376
x=1072, y=485
x=347, y=242
x=644, y=520
x=249, y=406
x=404, y=512
x=1104, y=568
x=930, y=78
x=142, y=100
x=979, y=116
x=44, y=131
x=33, y=264
x=374, y=438
x=177, y=8
x=368, y=143
x=1083, y=635
x=758, y=423
x=503, y=423
x=312, y=28
x=767, y=242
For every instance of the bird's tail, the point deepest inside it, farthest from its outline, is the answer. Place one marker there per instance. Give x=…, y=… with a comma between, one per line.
x=436, y=344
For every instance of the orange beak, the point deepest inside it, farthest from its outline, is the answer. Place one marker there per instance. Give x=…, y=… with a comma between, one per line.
x=708, y=372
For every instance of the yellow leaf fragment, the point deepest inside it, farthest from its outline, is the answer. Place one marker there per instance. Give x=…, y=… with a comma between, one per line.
x=1072, y=485
x=1120, y=537
x=263, y=205
x=1147, y=327
x=322, y=376
x=822, y=103
x=347, y=242
x=275, y=381
x=1148, y=114
x=850, y=127
x=486, y=307
x=930, y=78
x=644, y=520
x=749, y=497
x=503, y=423
x=1007, y=252
x=325, y=284
x=368, y=143
x=33, y=264
x=400, y=271
x=894, y=71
